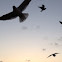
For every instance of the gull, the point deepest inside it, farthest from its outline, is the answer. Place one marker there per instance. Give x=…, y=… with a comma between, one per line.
x=53, y=55
x=42, y=8
x=17, y=12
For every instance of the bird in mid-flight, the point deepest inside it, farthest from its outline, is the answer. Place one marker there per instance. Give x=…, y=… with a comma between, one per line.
x=60, y=22
x=17, y=12
x=42, y=8
x=53, y=55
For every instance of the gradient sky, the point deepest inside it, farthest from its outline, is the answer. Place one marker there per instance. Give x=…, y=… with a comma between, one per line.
x=34, y=39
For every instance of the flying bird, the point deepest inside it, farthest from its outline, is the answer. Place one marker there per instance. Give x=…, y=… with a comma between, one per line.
x=42, y=8
x=60, y=22
x=17, y=12
x=53, y=55
x=44, y=49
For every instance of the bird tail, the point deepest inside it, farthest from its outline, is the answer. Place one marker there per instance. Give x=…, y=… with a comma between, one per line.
x=23, y=17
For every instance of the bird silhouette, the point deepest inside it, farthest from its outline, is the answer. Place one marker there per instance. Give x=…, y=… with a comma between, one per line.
x=60, y=22
x=53, y=55
x=17, y=12
x=42, y=8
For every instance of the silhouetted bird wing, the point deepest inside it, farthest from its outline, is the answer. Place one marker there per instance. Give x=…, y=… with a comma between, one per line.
x=40, y=7
x=49, y=55
x=56, y=53
x=10, y=15
x=60, y=22
x=24, y=5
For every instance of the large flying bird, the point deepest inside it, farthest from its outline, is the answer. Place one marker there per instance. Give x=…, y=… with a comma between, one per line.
x=42, y=8
x=17, y=12
x=53, y=55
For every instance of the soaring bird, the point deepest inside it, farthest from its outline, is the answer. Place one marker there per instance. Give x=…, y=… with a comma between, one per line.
x=60, y=22
x=53, y=55
x=17, y=12
x=42, y=8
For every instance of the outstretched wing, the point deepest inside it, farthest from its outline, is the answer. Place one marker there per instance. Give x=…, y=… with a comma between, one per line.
x=8, y=16
x=49, y=56
x=24, y=5
x=56, y=53
x=60, y=22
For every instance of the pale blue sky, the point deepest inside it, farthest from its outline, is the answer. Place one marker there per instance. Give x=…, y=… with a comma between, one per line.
x=43, y=30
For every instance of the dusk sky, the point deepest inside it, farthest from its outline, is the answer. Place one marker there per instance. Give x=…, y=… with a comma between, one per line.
x=34, y=39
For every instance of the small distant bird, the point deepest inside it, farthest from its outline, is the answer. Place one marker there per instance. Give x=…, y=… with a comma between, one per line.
x=42, y=8
x=60, y=22
x=44, y=49
x=17, y=12
x=53, y=55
